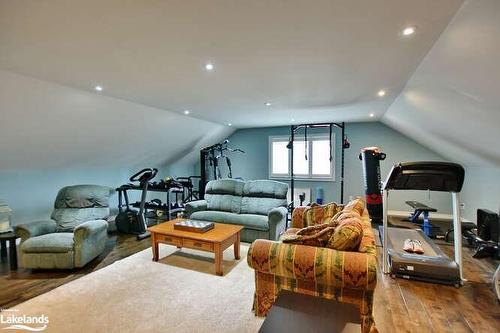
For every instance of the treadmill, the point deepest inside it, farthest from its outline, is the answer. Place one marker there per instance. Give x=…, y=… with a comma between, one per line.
x=432, y=266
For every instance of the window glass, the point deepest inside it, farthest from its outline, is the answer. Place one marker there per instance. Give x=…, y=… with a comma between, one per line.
x=300, y=163
x=321, y=157
x=279, y=158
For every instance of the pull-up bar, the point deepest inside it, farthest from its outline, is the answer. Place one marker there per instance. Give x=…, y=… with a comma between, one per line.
x=345, y=145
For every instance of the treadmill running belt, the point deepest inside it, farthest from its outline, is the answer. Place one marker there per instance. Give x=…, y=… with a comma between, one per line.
x=398, y=236
x=432, y=266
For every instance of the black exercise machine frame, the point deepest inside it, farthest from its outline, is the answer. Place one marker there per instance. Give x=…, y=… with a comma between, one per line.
x=293, y=129
x=209, y=152
x=123, y=196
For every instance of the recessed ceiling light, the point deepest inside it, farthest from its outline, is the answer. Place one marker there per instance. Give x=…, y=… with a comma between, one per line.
x=381, y=93
x=209, y=67
x=229, y=124
x=186, y=111
x=267, y=104
x=98, y=88
x=372, y=115
x=408, y=31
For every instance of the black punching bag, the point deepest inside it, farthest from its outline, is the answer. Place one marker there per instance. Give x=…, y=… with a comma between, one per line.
x=371, y=157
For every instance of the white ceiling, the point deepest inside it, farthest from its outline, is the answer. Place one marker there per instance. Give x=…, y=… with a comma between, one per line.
x=314, y=60
x=452, y=102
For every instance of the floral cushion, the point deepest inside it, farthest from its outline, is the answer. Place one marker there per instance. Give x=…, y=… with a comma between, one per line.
x=317, y=214
x=328, y=226
x=347, y=235
x=357, y=205
x=349, y=232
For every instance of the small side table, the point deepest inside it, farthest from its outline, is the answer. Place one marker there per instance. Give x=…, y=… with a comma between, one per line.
x=11, y=238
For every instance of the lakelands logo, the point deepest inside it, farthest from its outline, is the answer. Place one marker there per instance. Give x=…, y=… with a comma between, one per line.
x=15, y=321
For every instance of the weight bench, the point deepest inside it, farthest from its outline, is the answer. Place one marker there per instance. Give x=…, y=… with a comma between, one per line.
x=424, y=210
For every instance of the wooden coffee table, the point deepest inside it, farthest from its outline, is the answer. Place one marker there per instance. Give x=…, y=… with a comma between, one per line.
x=216, y=240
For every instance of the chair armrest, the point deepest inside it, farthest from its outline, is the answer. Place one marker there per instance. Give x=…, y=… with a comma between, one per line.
x=90, y=241
x=298, y=217
x=195, y=206
x=33, y=229
x=277, y=222
x=89, y=228
x=340, y=269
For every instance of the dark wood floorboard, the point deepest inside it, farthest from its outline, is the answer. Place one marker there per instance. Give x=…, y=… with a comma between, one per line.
x=412, y=306
x=24, y=284
x=400, y=305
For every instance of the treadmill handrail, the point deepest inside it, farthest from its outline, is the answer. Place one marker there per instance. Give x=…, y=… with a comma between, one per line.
x=432, y=176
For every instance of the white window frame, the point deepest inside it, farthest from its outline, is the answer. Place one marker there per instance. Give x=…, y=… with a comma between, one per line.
x=310, y=176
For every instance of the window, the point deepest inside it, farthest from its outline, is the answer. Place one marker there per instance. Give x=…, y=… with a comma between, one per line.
x=316, y=166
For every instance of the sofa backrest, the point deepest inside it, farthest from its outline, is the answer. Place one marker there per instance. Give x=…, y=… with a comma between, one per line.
x=77, y=204
x=260, y=196
x=224, y=195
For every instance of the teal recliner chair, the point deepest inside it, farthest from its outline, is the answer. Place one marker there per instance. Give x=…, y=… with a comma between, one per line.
x=76, y=233
x=258, y=205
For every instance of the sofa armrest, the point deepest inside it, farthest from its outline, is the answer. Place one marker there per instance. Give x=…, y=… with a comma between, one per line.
x=33, y=229
x=298, y=217
x=195, y=206
x=340, y=269
x=277, y=222
x=90, y=240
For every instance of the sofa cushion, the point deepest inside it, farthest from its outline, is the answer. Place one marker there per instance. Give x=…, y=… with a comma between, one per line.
x=58, y=242
x=265, y=189
x=223, y=202
x=225, y=186
x=250, y=221
x=224, y=195
x=83, y=196
x=316, y=214
x=68, y=219
x=347, y=235
x=357, y=205
x=261, y=206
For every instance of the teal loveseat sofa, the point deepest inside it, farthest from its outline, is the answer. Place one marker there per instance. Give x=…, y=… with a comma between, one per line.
x=257, y=205
x=76, y=233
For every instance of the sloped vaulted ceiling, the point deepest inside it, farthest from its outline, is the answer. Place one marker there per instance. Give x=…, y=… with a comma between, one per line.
x=452, y=101
x=318, y=60
x=45, y=125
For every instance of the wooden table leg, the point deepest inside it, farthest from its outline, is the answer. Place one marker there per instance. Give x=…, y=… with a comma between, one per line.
x=154, y=246
x=237, y=247
x=13, y=254
x=218, y=259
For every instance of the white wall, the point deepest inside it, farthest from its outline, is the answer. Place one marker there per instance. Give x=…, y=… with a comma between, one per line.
x=31, y=194
x=481, y=190
x=254, y=164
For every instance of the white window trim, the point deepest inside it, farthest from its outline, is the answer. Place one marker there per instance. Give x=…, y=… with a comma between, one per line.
x=310, y=177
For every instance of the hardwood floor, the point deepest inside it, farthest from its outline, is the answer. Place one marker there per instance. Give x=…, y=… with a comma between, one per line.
x=23, y=284
x=400, y=305
x=412, y=306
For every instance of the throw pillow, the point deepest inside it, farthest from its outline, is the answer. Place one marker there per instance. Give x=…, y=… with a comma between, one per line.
x=347, y=235
x=316, y=214
x=357, y=205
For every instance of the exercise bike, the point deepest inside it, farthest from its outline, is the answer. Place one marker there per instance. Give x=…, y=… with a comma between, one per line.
x=130, y=221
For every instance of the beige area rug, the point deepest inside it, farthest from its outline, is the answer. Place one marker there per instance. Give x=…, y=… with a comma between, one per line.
x=180, y=293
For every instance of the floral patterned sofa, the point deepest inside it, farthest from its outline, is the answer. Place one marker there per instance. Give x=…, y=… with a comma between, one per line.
x=346, y=276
